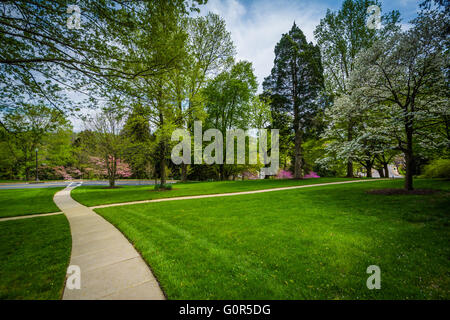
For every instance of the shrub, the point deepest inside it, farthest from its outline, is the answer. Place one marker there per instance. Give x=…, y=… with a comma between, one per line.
x=283, y=174
x=162, y=187
x=438, y=168
x=312, y=174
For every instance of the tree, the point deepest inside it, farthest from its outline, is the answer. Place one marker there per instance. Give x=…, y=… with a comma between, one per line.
x=209, y=51
x=341, y=36
x=24, y=130
x=109, y=145
x=371, y=143
x=159, y=93
x=404, y=75
x=41, y=55
x=228, y=102
x=140, y=143
x=294, y=86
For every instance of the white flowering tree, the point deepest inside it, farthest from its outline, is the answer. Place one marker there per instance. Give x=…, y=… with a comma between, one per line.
x=402, y=77
x=371, y=142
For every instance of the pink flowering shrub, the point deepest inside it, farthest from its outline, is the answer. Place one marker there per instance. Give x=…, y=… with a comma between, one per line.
x=284, y=174
x=99, y=168
x=62, y=172
x=249, y=175
x=312, y=174
x=67, y=173
x=123, y=169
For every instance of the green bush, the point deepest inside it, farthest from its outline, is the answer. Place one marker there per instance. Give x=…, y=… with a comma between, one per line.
x=162, y=187
x=439, y=168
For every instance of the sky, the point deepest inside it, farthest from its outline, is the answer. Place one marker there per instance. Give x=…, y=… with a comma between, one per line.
x=257, y=25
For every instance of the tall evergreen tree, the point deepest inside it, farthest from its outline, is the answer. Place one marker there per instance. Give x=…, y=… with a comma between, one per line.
x=294, y=86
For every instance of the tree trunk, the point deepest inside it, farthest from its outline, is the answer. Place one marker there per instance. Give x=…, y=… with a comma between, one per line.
x=409, y=156
x=221, y=172
x=27, y=169
x=349, y=169
x=162, y=160
x=298, y=174
x=112, y=172
x=184, y=172
x=369, y=170
x=409, y=168
x=349, y=162
x=386, y=170
x=162, y=164
x=381, y=172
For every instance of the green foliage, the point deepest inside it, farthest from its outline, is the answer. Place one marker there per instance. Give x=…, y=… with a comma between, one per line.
x=229, y=97
x=341, y=36
x=294, y=87
x=316, y=159
x=163, y=187
x=438, y=168
x=28, y=127
x=42, y=56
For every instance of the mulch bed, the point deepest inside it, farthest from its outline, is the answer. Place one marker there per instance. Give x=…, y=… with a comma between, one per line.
x=403, y=191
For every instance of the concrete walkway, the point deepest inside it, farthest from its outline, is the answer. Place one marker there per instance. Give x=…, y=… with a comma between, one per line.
x=110, y=266
x=30, y=216
x=230, y=193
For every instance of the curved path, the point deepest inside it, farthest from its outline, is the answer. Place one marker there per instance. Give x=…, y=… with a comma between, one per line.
x=110, y=266
x=238, y=193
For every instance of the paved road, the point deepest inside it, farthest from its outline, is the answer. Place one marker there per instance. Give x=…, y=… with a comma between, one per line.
x=67, y=183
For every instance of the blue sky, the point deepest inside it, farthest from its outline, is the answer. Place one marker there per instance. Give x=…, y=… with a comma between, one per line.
x=257, y=25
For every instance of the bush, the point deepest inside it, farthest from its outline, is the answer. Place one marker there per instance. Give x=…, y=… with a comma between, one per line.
x=439, y=168
x=311, y=174
x=283, y=174
x=162, y=187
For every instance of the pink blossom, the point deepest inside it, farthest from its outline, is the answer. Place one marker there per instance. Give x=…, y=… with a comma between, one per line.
x=312, y=174
x=61, y=171
x=284, y=174
x=249, y=175
x=122, y=168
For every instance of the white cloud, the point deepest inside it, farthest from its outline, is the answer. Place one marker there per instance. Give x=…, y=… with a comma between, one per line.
x=257, y=27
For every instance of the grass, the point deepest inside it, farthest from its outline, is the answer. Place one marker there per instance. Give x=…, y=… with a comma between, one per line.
x=34, y=255
x=11, y=181
x=311, y=243
x=27, y=181
x=97, y=195
x=19, y=202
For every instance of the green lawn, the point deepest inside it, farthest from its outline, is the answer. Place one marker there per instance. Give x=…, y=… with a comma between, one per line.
x=34, y=255
x=97, y=195
x=12, y=181
x=19, y=202
x=313, y=243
